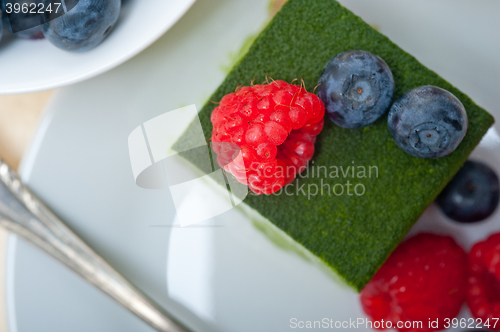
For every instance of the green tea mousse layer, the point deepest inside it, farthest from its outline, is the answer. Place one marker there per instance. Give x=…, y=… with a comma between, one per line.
x=361, y=192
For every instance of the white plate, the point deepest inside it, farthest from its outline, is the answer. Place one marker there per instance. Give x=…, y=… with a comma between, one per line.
x=229, y=278
x=29, y=66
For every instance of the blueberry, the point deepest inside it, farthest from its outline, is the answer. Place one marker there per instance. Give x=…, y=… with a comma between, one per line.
x=356, y=88
x=84, y=26
x=428, y=122
x=472, y=195
x=29, y=23
x=33, y=33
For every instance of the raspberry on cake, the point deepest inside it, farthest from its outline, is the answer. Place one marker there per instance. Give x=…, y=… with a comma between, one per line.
x=483, y=286
x=424, y=278
x=272, y=127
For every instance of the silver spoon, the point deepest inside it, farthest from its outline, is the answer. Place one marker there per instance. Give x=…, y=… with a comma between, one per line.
x=23, y=213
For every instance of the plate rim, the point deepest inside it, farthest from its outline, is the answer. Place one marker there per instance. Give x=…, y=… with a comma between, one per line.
x=183, y=8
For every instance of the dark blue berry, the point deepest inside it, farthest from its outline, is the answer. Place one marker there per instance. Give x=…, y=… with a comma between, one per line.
x=26, y=25
x=33, y=33
x=356, y=88
x=428, y=122
x=84, y=26
x=472, y=195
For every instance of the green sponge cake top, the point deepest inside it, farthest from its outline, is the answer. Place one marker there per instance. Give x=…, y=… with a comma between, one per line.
x=361, y=192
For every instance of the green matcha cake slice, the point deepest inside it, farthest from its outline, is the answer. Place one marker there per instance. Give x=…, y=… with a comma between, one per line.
x=385, y=190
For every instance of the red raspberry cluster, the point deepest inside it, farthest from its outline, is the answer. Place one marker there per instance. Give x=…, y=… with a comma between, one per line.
x=483, y=289
x=264, y=134
x=429, y=277
x=424, y=278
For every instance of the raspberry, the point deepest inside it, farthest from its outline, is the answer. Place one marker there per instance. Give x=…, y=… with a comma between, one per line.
x=483, y=284
x=424, y=278
x=272, y=127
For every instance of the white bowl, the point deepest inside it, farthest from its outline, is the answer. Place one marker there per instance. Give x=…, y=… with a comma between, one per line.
x=29, y=66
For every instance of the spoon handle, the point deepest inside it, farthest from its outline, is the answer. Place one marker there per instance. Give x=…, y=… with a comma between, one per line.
x=21, y=212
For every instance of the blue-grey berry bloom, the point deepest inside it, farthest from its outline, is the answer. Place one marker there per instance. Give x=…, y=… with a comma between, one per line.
x=83, y=27
x=356, y=88
x=428, y=122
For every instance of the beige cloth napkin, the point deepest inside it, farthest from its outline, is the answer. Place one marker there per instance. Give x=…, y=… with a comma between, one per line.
x=19, y=116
